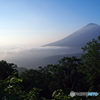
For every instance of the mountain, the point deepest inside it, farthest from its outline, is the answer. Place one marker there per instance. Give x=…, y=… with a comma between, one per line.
x=35, y=57
x=80, y=37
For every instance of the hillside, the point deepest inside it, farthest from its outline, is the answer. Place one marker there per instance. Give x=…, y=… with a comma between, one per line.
x=80, y=37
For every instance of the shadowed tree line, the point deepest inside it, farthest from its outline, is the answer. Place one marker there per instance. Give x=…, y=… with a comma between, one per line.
x=54, y=82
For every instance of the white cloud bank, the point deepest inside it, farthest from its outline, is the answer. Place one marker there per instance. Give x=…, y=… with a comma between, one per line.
x=29, y=56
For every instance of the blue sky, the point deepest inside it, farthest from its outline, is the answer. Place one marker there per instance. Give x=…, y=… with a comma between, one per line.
x=44, y=21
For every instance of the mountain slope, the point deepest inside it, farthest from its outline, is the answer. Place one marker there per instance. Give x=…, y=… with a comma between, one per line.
x=80, y=37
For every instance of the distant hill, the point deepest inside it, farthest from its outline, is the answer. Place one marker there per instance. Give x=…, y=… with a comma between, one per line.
x=80, y=37
x=54, y=59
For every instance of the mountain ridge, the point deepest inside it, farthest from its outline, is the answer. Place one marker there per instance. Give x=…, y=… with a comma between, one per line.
x=80, y=37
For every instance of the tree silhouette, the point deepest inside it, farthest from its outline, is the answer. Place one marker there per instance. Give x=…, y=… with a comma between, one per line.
x=91, y=64
x=7, y=69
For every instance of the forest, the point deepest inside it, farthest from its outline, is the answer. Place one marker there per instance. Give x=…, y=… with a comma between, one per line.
x=54, y=82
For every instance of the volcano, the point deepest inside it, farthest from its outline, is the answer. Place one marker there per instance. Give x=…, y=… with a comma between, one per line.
x=80, y=37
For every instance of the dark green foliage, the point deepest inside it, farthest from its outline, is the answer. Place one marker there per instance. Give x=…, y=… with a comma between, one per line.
x=65, y=75
x=69, y=74
x=6, y=69
x=13, y=88
x=37, y=78
x=91, y=64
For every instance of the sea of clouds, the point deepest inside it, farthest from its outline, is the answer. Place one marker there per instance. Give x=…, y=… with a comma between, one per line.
x=31, y=56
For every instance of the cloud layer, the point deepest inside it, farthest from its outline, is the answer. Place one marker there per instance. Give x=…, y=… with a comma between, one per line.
x=29, y=56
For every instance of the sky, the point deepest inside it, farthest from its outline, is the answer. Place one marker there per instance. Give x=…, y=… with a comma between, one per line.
x=39, y=22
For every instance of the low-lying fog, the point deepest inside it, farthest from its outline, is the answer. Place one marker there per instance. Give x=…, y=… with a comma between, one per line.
x=32, y=57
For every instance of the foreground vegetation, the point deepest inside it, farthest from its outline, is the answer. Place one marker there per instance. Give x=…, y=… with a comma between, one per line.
x=54, y=82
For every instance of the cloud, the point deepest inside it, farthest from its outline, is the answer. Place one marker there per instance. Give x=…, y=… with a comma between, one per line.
x=29, y=56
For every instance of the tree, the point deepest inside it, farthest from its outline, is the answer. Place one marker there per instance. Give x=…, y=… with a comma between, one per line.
x=65, y=75
x=71, y=79
x=13, y=89
x=91, y=64
x=40, y=78
x=7, y=69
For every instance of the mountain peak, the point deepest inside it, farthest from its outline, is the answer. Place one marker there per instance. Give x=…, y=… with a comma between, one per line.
x=92, y=24
x=80, y=37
